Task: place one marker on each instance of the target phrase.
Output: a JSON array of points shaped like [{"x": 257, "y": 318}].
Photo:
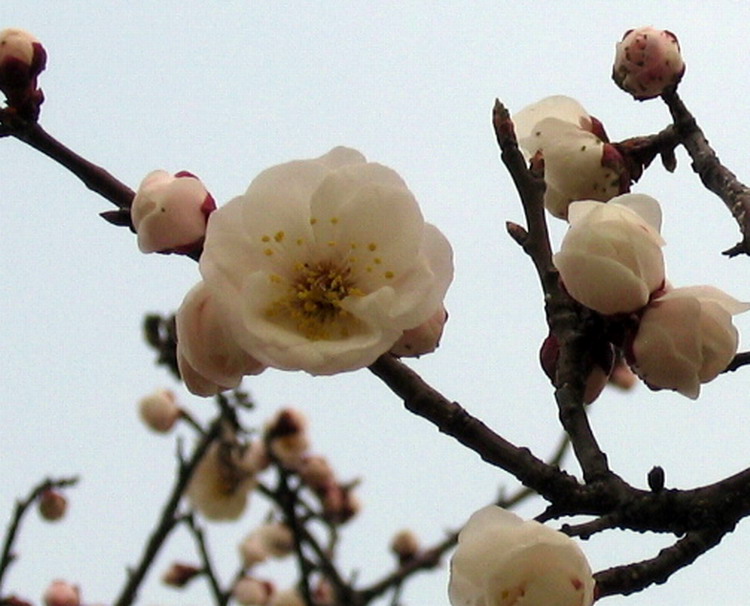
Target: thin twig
[{"x": 22, "y": 506}]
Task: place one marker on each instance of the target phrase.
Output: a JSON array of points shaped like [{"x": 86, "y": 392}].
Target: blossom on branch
[
  {"x": 647, "y": 62},
  {"x": 503, "y": 560},
  {"x": 209, "y": 359},
  {"x": 220, "y": 486},
  {"x": 160, "y": 410},
  {"x": 169, "y": 213},
  {"x": 62, "y": 593},
  {"x": 685, "y": 338},
  {"x": 579, "y": 162},
  {"x": 610, "y": 259},
  {"x": 323, "y": 264}
]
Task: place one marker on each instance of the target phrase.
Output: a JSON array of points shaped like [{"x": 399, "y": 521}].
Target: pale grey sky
[{"x": 226, "y": 89}]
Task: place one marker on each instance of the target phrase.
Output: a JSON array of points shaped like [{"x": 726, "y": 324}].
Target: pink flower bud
[
  {"x": 340, "y": 504},
  {"x": 686, "y": 338},
  {"x": 405, "y": 544},
  {"x": 423, "y": 339},
  {"x": 610, "y": 259},
  {"x": 52, "y": 505},
  {"x": 170, "y": 213},
  {"x": 287, "y": 437},
  {"x": 274, "y": 540},
  {"x": 317, "y": 473},
  {"x": 22, "y": 59},
  {"x": 249, "y": 591},
  {"x": 160, "y": 410},
  {"x": 208, "y": 357},
  {"x": 647, "y": 62},
  {"x": 179, "y": 574},
  {"x": 62, "y": 593}
]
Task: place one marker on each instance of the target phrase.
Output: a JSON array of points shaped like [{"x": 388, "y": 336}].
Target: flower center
[{"x": 314, "y": 300}]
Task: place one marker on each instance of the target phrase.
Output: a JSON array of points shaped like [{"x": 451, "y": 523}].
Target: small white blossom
[
  {"x": 647, "y": 62},
  {"x": 160, "y": 411},
  {"x": 610, "y": 259},
  {"x": 503, "y": 560},
  {"x": 579, "y": 163},
  {"x": 322, "y": 264},
  {"x": 219, "y": 488},
  {"x": 686, "y": 338},
  {"x": 209, "y": 359},
  {"x": 273, "y": 540},
  {"x": 169, "y": 213}
]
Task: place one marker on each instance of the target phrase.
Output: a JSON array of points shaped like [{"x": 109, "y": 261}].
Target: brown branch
[
  {"x": 741, "y": 359},
  {"x": 624, "y": 580},
  {"x": 714, "y": 175},
  {"x": 22, "y": 507},
  {"x": 168, "y": 519},
  {"x": 220, "y": 597}
]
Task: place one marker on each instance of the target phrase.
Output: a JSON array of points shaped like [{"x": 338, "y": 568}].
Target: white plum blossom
[
  {"x": 647, "y": 62},
  {"x": 579, "y": 162},
  {"x": 503, "y": 560},
  {"x": 220, "y": 487},
  {"x": 610, "y": 259},
  {"x": 208, "y": 357},
  {"x": 685, "y": 338},
  {"x": 169, "y": 213},
  {"x": 323, "y": 264}
]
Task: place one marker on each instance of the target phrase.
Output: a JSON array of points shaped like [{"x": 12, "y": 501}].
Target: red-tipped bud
[
  {"x": 62, "y": 593},
  {"x": 179, "y": 574},
  {"x": 22, "y": 59},
  {"x": 647, "y": 62}
]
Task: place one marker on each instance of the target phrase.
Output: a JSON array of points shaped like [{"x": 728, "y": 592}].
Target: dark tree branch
[
  {"x": 22, "y": 507},
  {"x": 739, "y": 360},
  {"x": 714, "y": 175},
  {"x": 220, "y": 597},
  {"x": 168, "y": 519}
]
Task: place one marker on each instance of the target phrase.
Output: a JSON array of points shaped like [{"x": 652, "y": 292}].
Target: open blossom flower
[
  {"x": 610, "y": 259},
  {"x": 323, "y": 264},
  {"x": 208, "y": 357},
  {"x": 503, "y": 560},
  {"x": 170, "y": 212},
  {"x": 220, "y": 487},
  {"x": 579, "y": 162},
  {"x": 647, "y": 62},
  {"x": 686, "y": 338}
]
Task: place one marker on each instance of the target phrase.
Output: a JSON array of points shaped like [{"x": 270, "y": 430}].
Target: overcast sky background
[{"x": 226, "y": 89}]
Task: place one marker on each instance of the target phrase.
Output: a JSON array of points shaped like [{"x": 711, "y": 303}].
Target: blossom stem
[
  {"x": 22, "y": 507},
  {"x": 168, "y": 519},
  {"x": 714, "y": 175}
]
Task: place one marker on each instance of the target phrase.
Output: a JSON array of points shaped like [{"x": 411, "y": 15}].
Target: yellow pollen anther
[
  {"x": 389, "y": 274},
  {"x": 279, "y": 236},
  {"x": 334, "y": 220},
  {"x": 372, "y": 246},
  {"x": 331, "y": 242},
  {"x": 268, "y": 252},
  {"x": 313, "y": 220},
  {"x": 377, "y": 260},
  {"x": 299, "y": 241},
  {"x": 275, "y": 278},
  {"x": 266, "y": 239}
]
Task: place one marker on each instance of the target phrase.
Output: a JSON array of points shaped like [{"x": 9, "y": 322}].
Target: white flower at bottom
[
  {"x": 502, "y": 560},
  {"x": 322, "y": 264},
  {"x": 610, "y": 259},
  {"x": 686, "y": 338}
]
